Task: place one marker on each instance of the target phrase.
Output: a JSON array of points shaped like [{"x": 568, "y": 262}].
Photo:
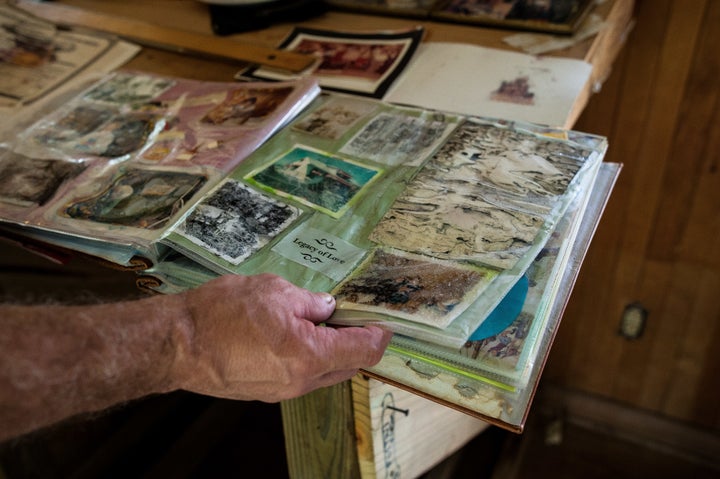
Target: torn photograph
[{"x": 483, "y": 197}]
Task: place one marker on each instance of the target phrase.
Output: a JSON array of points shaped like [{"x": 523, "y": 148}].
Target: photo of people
[
  {"x": 353, "y": 59},
  {"x": 364, "y": 64}
]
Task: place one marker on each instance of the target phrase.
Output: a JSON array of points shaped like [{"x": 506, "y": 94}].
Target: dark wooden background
[{"x": 659, "y": 241}]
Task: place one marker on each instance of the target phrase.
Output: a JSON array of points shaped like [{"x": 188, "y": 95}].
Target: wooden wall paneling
[
  {"x": 691, "y": 347},
  {"x": 697, "y": 111},
  {"x": 597, "y": 118},
  {"x": 701, "y": 245},
  {"x": 659, "y": 106},
  {"x": 678, "y": 172},
  {"x": 699, "y": 239},
  {"x": 698, "y": 348},
  {"x": 596, "y": 359},
  {"x": 651, "y": 366},
  {"x": 673, "y": 319},
  {"x": 705, "y": 407},
  {"x": 692, "y": 228}
]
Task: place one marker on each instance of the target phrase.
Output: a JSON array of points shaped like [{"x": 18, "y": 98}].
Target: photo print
[
  {"x": 397, "y": 139},
  {"x": 334, "y": 118},
  {"x": 129, "y": 88},
  {"x": 483, "y": 197},
  {"x": 359, "y": 63},
  {"x": 138, "y": 198},
  {"x": 511, "y": 161},
  {"x": 235, "y": 221},
  {"x": 246, "y": 104},
  {"x": 95, "y": 130},
  {"x": 323, "y": 182},
  {"x": 413, "y": 287},
  {"x": 32, "y": 182},
  {"x": 502, "y": 349}
]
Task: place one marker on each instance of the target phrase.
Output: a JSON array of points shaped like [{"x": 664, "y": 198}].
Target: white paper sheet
[{"x": 464, "y": 79}]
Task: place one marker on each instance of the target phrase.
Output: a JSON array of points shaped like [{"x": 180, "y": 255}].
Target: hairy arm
[{"x": 241, "y": 337}]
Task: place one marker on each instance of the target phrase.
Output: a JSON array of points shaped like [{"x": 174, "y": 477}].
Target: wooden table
[{"x": 360, "y": 428}]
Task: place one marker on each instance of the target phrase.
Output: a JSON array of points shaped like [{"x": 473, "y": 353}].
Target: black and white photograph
[{"x": 236, "y": 221}]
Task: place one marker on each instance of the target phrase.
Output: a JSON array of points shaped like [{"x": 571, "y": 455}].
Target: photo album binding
[{"x": 417, "y": 220}]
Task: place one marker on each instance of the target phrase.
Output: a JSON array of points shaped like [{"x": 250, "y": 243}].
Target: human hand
[{"x": 257, "y": 337}]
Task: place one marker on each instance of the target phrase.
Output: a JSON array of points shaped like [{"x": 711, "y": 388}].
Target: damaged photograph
[
  {"x": 32, "y": 182},
  {"x": 246, "y": 104},
  {"x": 235, "y": 221},
  {"x": 129, "y": 88},
  {"x": 484, "y": 197},
  {"x": 397, "y": 139},
  {"x": 324, "y": 182},
  {"x": 89, "y": 130},
  {"x": 413, "y": 287},
  {"x": 334, "y": 118},
  {"x": 138, "y": 198}
]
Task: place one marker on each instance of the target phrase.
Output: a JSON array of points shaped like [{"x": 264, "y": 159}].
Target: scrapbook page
[
  {"x": 316, "y": 188},
  {"x": 413, "y": 219},
  {"x": 127, "y": 156}
]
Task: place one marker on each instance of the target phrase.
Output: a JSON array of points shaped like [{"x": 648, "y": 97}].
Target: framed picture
[
  {"x": 358, "y": 63},
  {"x": 403, "y": 8},
  {"x": 550, "y": 16},
  {"x": 554, "y": 16}
]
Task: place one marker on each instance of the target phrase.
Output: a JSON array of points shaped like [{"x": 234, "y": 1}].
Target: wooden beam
[{"x": 320, "y": 434}]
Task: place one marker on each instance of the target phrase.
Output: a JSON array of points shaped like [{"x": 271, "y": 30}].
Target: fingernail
[{"x": 328, "y": 298}]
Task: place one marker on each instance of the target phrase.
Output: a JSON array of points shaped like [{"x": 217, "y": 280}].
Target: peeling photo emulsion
[{"x": 236, "y": 221}]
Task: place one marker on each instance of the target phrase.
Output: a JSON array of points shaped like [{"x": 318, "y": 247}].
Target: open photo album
[{"x": 452, "y": 231}]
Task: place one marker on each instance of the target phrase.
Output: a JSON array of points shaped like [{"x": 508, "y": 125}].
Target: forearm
[
  {"x": 58, "y": 361},
  {"x": 239, "y": 337}
]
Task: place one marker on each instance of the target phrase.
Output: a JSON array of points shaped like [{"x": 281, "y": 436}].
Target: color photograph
[{"x": 324, "y": 182}]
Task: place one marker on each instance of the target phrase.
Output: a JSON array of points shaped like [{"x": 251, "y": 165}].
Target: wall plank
[{"x": 659, "y": 240}]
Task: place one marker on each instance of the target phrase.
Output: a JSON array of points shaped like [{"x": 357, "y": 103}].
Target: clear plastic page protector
[{"x": 494, "y": 377}]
